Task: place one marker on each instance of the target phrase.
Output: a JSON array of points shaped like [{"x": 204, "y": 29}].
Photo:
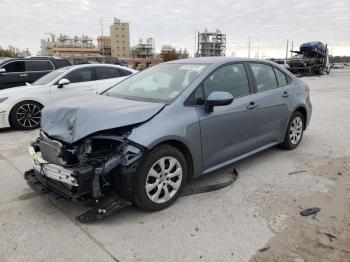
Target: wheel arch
[
  {"x": 302, "y": 110},
  {"x": 183, "y": 148}
]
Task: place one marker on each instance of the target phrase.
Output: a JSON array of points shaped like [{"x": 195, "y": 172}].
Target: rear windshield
[{"x": 61, "y": 63}]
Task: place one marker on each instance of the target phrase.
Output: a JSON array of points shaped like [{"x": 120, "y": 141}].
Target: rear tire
[
  {"x": 160, "y": 178},
  {"x": 294, "y": 132},
  {"x": 26, "y": 115}
]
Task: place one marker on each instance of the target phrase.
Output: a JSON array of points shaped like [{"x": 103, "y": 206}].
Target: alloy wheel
[
  {"x": 296, "y": 130},
  {"x": 163, "y": 180},
  {"x": 28, "y": 115}
]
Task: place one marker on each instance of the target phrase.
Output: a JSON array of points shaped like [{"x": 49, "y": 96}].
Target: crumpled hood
[{"x": 72, "y": 119}]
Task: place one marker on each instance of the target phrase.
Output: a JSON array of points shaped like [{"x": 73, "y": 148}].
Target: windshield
[
  {"x": 298, "y": 56},
  {"x": 161, "y": 83},
  {"x": 46, "y": 79}
]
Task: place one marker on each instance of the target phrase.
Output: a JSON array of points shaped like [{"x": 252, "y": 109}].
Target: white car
[
  {"x": 20, "y": 107},
  {"x": 284, "y": 63},
  {"x": 338, "y": 66}
]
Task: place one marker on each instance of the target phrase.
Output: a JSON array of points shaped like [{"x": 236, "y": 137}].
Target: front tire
[
  {"x": 160, "y": 178},
  {"x": 26, "y": 115},
  {"x": 294, "y": 132}
]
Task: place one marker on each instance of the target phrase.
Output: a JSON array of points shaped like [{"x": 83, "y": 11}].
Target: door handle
[
  {"x": 285, "y": 94},
  {"x": 252, "y": 105},
  {"x": 23, "y": 75}
]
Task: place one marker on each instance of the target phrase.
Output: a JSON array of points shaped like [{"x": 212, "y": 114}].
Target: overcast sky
[{"x": 269, "y": 23}]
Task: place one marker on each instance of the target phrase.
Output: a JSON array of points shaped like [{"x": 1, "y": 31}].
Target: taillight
[{"x": 307, "y": 88}]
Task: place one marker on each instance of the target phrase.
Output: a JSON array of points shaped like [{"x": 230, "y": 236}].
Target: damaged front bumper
[
  {"x": 90, "y": 179},
  {"x": 71, "y": 183}
]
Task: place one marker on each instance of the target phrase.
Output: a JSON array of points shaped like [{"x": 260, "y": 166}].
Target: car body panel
[
  {"x": 235, "y": 139},
  {"x": 161, "y": 129},
  {"x": 72, "y": 89},
  {"x": 273, "y": 114}
]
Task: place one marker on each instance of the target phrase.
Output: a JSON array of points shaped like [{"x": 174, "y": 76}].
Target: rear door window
[
  {"x": 32, "y": 66},
  {"x": 15, "y": 66},
  {"x": 104, "y": 72},
  {"x": 281, "y": 77},
  {"x": 80, "y": 75},
  {"x": 264, "y": 76}
]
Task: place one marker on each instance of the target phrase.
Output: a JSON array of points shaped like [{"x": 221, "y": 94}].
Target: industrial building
[
  {"x": 170, "y": 53},
  {"x": 112, "y": 47},
  {"x": 65, "y": 46},
  {"x": 144, "y": 49},
  {"x": 211, "y": 43},
  {"x": 120, "y": 39}
]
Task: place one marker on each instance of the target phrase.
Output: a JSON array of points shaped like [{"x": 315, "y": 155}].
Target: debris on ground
[
  {"x": 310, "y": 211},
  {"x": 297, "y": 172},
  {"x": 266, "y": 247},
  {"x": 330, "y": 236}
]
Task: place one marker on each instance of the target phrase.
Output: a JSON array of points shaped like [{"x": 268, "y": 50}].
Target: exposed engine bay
[{"x": 95, "y": 166}]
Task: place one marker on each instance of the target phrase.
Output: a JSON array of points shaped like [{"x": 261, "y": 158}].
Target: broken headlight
[{"x": 102, "y": 148}]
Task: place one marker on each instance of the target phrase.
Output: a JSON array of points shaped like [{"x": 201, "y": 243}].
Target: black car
[{"x": 19, "y": 71}]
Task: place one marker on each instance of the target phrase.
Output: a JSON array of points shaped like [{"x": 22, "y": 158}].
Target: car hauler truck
[{"x": 311, "y": 59}]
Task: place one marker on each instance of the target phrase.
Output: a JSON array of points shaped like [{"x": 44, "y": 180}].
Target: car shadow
[
  {"x": 8, "y": 130},
  {"x": 72, "y": 209}
]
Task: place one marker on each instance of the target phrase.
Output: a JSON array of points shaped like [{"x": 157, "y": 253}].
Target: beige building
[{"x": 120, "y": 39}]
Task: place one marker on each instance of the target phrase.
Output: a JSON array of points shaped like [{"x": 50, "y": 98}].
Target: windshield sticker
[{"x": 192, "y": 67}]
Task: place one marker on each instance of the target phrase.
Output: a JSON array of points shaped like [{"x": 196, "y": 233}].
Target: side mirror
[
  {"x": 63, "y": 82},
  {"x": 2, "y": 70},
  {"x": 217, "y": 98}
]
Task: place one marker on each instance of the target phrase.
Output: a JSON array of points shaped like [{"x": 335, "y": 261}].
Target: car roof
[
  {"x": 98, "y": 65},
  {"x": 30, "y": 58},
  {"x": 215, "y": 60}
]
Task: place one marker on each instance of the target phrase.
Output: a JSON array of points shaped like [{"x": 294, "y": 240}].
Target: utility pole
[
  {"x": 292, "y": 48},
  {"x": 102, "y": 42},
  {"x": 195, "y": 44},
  {"x": 249, "y": 48},
  {"x": 257, "y": 52},
  {"x": 287, "y": 49}
]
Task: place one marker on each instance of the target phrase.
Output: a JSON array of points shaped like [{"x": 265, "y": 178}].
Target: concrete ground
[{"x": 261, "y": 209}]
